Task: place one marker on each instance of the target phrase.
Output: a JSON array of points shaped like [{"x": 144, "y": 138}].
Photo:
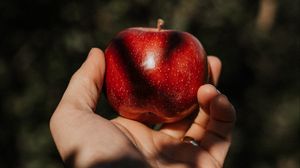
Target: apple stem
[{"x": 160, "y": 24}]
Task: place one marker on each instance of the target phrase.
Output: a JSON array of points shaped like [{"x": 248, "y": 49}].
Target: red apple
[{"x": 152, "y": 75}]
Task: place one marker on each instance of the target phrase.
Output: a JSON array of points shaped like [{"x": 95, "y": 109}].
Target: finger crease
[
  {"x": 200, "y": 125},
  {"x": 223, "y": 121},
  {"x": 214, "y": 133}
]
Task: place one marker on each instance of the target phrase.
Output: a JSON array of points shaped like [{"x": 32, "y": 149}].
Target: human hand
[{"x": 85, "y": 139}]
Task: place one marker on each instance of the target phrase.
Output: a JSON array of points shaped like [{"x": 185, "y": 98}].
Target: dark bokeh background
[{"x": 44, "y": 42}]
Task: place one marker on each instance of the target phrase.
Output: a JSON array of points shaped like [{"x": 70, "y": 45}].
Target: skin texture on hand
[{"x": 85, "y": 139}]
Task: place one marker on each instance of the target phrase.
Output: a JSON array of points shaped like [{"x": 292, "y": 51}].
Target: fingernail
[{"x": 218, "y": 91}]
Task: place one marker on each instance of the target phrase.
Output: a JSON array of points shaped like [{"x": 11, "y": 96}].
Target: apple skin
[{"x": 153, "y": 75}]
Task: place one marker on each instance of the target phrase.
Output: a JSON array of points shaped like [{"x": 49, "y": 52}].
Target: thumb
[{"x": 85, "y": 85}]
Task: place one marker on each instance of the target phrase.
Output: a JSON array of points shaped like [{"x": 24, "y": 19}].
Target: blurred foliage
[{"x": 44, "y": 42}]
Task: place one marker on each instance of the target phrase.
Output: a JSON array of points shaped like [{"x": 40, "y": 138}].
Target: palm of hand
[{"x": 161, "y": 149}]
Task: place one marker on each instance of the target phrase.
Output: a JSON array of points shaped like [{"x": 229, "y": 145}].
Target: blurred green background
[{"x": 44, "y": 42}]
